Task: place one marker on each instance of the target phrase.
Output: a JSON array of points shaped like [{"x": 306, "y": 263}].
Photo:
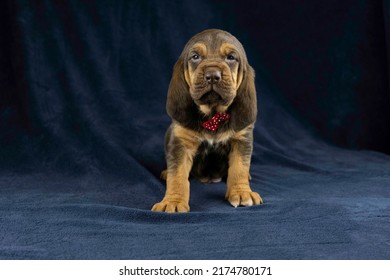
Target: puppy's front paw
[
  {"x": 243, "y": 198},
  {"x": 171, "y": 206}
]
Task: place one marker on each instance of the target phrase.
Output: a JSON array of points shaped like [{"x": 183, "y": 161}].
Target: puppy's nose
[{"x": 212, "y": 76}]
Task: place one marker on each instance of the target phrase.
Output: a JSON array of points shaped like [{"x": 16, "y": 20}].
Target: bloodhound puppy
[{"x": 212, "y": 103}]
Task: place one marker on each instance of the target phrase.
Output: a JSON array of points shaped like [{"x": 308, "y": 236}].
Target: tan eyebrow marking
[
  {"x": 227, "y": 48},
  {"x": 199, "y": 48}
]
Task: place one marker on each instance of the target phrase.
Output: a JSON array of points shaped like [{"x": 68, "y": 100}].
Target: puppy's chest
[
  {"x": 216, "y": 139},
  {"x": 214, "y": 146}
]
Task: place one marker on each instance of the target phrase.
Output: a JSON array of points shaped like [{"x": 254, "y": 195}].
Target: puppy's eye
[
  {"x": 195, "y": 57},
  {"x": 230, "y": 57}
]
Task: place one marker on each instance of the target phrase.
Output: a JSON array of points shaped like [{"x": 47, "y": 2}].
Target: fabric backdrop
[{"x": 82, "y": 120}]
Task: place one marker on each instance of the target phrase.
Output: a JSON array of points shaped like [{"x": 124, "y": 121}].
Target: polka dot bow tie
[{"x": 214, "y": 123}]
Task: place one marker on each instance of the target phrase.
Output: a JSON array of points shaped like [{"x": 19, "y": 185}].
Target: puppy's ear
[
  {"x": 180, "y": 106},
  {"x": 244, "y": 107}
]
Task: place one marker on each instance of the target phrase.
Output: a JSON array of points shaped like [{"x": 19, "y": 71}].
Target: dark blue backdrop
[{"x": 82, "y": 121}]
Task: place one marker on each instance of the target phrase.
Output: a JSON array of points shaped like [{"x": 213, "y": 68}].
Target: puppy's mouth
[{"x": 210, "y": 98}]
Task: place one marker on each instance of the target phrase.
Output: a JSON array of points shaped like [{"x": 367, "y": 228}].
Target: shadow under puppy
[{"x": 212, "y": 103}]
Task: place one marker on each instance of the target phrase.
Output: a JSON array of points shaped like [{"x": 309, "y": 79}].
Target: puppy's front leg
[
  {"x": 181, "y": 147},
  {"x": 238, "y": 190}
]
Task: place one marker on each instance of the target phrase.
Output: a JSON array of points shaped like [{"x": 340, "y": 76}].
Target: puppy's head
[
  {"x": 212, "y": 74},
  {"x": 212, "y": 61}
]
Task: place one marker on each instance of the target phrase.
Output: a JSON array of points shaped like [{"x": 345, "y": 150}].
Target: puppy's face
[
  {"x": 212, "y": 75},
  {"x": 213, "y": 69}
]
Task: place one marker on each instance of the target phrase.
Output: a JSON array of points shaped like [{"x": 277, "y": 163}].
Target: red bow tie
[{"x": 214, "y": 123}]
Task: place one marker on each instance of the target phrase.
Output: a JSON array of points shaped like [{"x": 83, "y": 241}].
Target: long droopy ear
[
  {"x": 180, "y": 106},
  {"x": 244, "y": 107}
]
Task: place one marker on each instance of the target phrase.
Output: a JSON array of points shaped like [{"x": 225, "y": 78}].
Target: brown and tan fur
[{"x": 211, "y": 75}]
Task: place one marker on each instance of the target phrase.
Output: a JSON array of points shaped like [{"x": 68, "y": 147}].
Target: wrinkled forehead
[{"x": 214, "y": 41}]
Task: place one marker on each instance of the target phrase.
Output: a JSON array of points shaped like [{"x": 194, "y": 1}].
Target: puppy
[{"x": 212, "y": 103}]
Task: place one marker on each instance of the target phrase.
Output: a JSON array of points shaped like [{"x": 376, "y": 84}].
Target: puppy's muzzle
[
  {"x": 211, "y": 89},
  {"x": 212, "y": 76}
]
